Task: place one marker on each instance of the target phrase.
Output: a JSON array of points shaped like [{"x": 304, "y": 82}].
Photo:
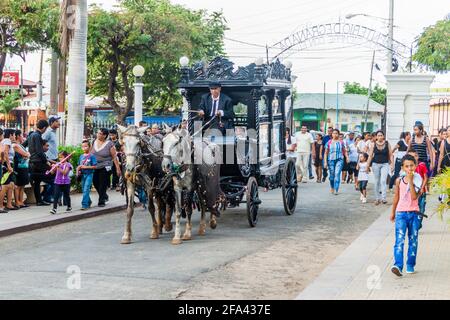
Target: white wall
[{"x": 408, "y": 96}]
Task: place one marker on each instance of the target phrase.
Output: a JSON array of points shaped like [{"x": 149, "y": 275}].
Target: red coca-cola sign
[{"x": 10, "y": 80}]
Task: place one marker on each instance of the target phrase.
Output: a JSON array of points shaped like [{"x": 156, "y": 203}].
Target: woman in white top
[{"x": 290, "y": 144}]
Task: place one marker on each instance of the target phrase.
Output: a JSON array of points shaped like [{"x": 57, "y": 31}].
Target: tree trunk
[
  {"x": 62, "y": 69},
  {"x": 53, "y": 109},
  {"x": 129, "y": 93},
  {"x": 77, "y": 74}
]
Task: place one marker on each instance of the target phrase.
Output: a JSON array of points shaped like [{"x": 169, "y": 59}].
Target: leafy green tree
[
  {"x": 8, "y": 103},
  {"x": 433, "y": 49},
  {"x": 378, "y": 93},
  {"x": 154, "y": 34},
  {"x": 25, "y": 26}
]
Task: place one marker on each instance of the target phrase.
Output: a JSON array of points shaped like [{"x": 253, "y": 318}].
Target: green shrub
[
  {"x": 74, "y": 162},
  {"x": 441, "y": 185}
]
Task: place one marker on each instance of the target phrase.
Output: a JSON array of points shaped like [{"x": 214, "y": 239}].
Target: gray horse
[
  {"x": 143, "y": 169},
  {"x": 189, "y": 178}
]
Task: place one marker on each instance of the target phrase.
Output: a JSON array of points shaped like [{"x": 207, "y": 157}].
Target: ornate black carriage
[{"x": 261, "y": 96}]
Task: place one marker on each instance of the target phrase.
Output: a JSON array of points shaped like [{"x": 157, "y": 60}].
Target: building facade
[{"x": 346, "y": 112}]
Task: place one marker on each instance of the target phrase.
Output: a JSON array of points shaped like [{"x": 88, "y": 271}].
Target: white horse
[{"x": 188, "y": 178}]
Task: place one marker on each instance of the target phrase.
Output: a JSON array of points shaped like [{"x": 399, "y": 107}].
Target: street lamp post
[
  {"x": 138, "y": 72},
  {"x": 390, "y": 36},
  {"x": 390, "y": 21}
]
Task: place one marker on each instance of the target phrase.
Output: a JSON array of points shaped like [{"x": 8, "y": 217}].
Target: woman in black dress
[
  {"x": 317, "y": 156},
  {"x": 21, "y": 167}
]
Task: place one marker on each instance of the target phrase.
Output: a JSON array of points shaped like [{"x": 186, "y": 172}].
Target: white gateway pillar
[{"x": 408, "y": 101}]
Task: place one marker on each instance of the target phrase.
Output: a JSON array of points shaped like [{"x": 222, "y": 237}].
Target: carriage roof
[{"x": 266, "y": 76}]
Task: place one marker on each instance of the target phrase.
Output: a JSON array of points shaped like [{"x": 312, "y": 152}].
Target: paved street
[{"x": 275, "y": 260}]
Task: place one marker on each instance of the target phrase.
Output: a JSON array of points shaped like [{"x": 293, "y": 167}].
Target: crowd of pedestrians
[
  {"x": 350, "y": 158},
  {"x": 35, "y": 162},
  {"x": 404, "y": 169}
]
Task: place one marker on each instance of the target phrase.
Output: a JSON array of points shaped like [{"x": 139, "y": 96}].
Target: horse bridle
[
  {"x": 183, "y": 166},
  {"x": 156, "y": 153}
]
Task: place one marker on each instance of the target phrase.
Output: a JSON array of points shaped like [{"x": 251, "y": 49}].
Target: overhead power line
[{"x": 246, "y": 43}]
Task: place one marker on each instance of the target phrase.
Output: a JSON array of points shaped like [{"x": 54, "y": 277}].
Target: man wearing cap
[
  {"x": 52, "y": 154},
  {"x": 217, "y": 104}
]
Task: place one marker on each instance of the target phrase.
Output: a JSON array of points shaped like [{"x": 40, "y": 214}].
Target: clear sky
[{"x": 262, "y": 22}]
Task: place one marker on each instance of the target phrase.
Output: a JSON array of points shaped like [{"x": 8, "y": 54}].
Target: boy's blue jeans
[
  {"x": 86, "y": 185},
  {"x": 406, "y": 222},
  {"x": 335, "y": 167}
]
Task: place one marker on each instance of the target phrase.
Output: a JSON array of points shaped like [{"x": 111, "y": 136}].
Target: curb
[{"x": 50, "y": 221}]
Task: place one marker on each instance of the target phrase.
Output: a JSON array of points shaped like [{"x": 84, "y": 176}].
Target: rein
[{"x": 205, "y": 125}]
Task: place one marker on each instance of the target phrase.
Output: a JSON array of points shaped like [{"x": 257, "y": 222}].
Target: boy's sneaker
[
  {"x": 364, "y": 200},
  {"x": 84, "y": 208},
  {"x": 361, "y": 197},
  {"x": 53, "y": 211},
  {"x": 410, "y": 270},
  {"x": 396, "y": 270},
  {"x": 69, "y": 209}
]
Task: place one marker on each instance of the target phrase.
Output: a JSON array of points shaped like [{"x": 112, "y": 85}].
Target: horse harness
[{"x": 140, "y": 156}]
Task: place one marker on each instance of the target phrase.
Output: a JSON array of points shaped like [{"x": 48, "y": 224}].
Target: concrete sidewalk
[
  {"x": 362, "y": 271},
  {"x": 34, "y": 217}
]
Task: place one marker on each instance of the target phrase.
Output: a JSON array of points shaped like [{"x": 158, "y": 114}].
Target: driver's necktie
[{"x": 214, "y": 109}]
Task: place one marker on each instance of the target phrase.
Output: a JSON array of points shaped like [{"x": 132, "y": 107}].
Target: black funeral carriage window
[
  {"x": 287, "y": 108},
  {"x": 276, "y": 138},
  {"x": 240, "y": 119},
  {"x": 263, "y": 106},
  {"x": 264, "y": 141},
  {"x": 276, "y": 108}
]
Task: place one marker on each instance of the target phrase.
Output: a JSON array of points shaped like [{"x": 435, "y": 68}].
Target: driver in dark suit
[{"x": 217, "y": 104}]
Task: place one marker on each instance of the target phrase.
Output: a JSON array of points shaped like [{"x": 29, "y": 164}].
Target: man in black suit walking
[{"x": 217, "y": 104}]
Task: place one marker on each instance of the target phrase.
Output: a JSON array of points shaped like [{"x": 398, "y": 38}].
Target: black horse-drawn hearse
[{"x": 261, "y": 98}]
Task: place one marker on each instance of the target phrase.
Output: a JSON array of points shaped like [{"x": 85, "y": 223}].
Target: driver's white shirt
[{"x": 212, "y": 105}]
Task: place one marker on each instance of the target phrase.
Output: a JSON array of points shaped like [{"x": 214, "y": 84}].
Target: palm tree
[
  {"x": 8, "y": 103},
  {"x": 74, "y": 42}
]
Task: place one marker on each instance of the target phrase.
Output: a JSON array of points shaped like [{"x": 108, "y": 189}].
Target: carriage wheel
[
  {"x": 289, "y": 186},
  {"x": 253, "y": 201}
]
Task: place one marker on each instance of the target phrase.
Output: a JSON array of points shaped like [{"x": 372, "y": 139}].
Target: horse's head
[
  {"x": 130, "y": 139},
  {"x": 176, "y": 147}
]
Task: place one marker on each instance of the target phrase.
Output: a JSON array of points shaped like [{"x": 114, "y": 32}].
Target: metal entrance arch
[{"x": 338, "y": 32}]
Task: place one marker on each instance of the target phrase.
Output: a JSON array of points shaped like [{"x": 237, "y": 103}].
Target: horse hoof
[
  {"x": 154, "y": 236},
  {"x": 213, "y": 224},
  {"x": 186, "y": 238},
  {"x": 201, "y": 232},
  {"x": 125, "y": 241},
  {"x": 168, "y": 227},
  {"x": 176, "y": 241}
]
